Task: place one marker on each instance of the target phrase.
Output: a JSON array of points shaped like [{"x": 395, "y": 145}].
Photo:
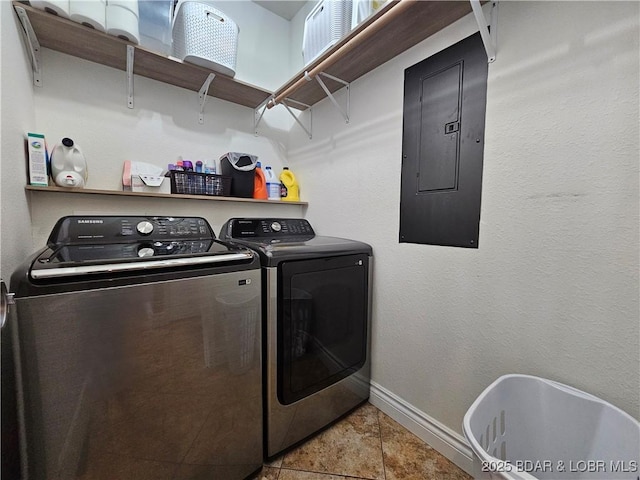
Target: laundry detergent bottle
[
  {"x": 68, "y": 165},
  {"x": 259, "y": 184},
  {"x": 290, "y": 191},
  {"x": 273, "y": 184}
]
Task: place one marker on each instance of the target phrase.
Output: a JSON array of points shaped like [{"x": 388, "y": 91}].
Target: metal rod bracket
[
  {"x": 345, "y": 114},
  {"x": 258, "y": 113},
  {"x": 487, "y": 28},
  {"x": 32, "y": 44},
  {"x": 130, "y": 58},
  {"x": 307, "y": 130},
  {"x": 202, "y": 95}
]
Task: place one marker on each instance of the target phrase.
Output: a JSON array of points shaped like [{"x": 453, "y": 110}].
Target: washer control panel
[
  {"x": 75, "y": 230},
  {"x": 239, "y": 228}
]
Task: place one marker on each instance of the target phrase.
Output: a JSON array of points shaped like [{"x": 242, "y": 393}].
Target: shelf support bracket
[
  {"x": 202, "y": 95},
  {"x": 130, "y": 55},
  {"x": 32, "y": 44},
  {"x": 258, "y": 114},
  {"x": 307, "y": 130},
  {"x": 487, "y": 28},
  {"x": 345, "y": 114}
]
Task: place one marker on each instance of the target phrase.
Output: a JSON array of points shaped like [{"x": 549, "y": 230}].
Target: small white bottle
[{"x": 273, "y": 184}]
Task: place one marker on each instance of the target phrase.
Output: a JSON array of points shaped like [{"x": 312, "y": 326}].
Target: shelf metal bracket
[
  {"x": 202, "y": 95},
  {"x": 487, "y": 28},
  {"x": 345, "y": 114},
  {"x": 33, "y": 45},
  {"x": 258, "y": 113},
  {"x": 130, "y": 55},
  {"x": 307, "y": 130}
]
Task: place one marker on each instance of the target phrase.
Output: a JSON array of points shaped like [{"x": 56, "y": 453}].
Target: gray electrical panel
[{"x": 443, "y": 143}]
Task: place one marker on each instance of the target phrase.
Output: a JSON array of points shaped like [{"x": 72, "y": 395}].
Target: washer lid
[
  {"x": 107, "y": 245},
  {"x": 111, "y": 259}
]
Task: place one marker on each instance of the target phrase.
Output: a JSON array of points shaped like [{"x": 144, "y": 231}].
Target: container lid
[{"x": 241, "y": 161}]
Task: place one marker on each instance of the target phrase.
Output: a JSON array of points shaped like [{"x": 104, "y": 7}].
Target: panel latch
[{"x": 451, "y": 127}]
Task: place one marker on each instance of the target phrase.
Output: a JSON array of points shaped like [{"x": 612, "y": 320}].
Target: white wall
[
  {"x": 16, "y": 118},
  {"x": 553, "y": 288},
  {"x": 263, "y": 43},
  {"x": 86, "y": 102}
]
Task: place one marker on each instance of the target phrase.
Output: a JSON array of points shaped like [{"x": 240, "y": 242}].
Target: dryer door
[{"x": 322, "y": 323}]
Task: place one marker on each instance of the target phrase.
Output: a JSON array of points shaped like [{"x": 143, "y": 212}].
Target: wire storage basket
[{"x": 195, "y": 183}]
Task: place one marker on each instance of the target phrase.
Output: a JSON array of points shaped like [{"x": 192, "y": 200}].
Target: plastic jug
[
  {"x": 259, "y": 184},
  {"x": 68, "y": 165},
  {"x": 273, "y": 185},
  {"x": 290, "y": 191}
]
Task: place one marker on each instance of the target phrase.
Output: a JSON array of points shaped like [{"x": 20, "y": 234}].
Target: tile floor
[{"x": 366, "y": 445}]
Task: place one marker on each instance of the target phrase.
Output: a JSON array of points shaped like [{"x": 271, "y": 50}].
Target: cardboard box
[{"x": 37, "y": 149}]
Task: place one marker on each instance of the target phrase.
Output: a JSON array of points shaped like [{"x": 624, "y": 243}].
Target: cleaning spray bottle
[{"x": 290, "y": 189}]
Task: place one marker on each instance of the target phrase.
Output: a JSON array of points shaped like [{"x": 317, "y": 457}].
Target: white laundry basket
[
  {"x": 326, "y": 24},
  {"x": 205, "y": 36},
  {"x": 525, "y": 427}
]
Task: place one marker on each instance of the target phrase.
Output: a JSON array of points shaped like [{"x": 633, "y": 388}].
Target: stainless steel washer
[
  {"x": 316, "y": 325},
  {"x": 138, "y": 352}
]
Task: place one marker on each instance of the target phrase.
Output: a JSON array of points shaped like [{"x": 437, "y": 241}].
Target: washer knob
[
  {"x": 144, "y": 227},
  {"x": 276, "y": 227},
  {"x": 146, "y": 252}
]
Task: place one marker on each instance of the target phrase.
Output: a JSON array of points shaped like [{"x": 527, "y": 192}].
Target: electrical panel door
[{"x": 443, "y": 142}]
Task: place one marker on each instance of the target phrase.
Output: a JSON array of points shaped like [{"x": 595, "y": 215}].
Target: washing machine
[
  {"x": 137, "y": 346},
  {"x": 316, "y": 325}
]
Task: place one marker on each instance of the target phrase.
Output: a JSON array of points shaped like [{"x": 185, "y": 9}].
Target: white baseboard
[{"x": 447, "y": 442}]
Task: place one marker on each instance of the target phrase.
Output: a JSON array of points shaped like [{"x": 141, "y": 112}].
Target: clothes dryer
[{"x": 316, "y": 325}]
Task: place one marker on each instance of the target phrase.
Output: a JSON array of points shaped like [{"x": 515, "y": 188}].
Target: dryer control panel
[{"x": 247, "y": 228}]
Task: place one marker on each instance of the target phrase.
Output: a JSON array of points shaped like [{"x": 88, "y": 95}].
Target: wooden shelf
[
  {"x": 88, "y": 191},
  {"x": 75, "y": 39},
  {"x": 380, "y": 38},
  {"x": 397, "y": 26}
]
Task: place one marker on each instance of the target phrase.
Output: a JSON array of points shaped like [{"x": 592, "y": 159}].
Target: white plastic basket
[
  {"x": 523, "y": 427},
  {"x": 326, "y": 24},
  {"x": 205, "y": 36}
]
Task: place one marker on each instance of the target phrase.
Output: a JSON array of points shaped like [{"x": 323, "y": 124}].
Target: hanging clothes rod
[{"x": 396, "y": 9}]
